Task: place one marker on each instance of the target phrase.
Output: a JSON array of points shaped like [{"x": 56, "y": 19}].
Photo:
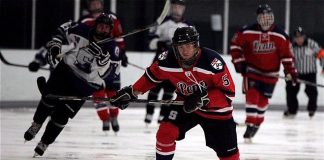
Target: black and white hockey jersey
[{"x": 85, "y": 65}]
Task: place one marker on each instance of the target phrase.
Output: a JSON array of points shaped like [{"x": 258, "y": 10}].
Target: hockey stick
[
  {"x": 158, "y": 21},
  {"x": 41, "y": 84},
  {"x": 136, "y": 66},
  {"x": 303, "y": 81},
  {"x": 17, "y": 65},
  {"x": 77, "y": 98}
]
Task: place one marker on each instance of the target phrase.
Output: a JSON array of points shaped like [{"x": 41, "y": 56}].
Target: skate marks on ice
[{"x": 281, "y": 139}]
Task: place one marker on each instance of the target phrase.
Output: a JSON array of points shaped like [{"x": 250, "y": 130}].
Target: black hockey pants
[{"x": 311, "y": 92}]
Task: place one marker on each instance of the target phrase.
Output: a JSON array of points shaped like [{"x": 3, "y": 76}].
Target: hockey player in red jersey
[
  {"x": 257, "y": 51},
  {"x": 204, "y": 83}
]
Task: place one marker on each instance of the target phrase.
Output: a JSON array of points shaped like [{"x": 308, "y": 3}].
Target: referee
[{"x": 306, "y": 51}]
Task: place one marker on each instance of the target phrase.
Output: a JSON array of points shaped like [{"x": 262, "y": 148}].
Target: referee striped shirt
[{"x": 305, "y": 56}]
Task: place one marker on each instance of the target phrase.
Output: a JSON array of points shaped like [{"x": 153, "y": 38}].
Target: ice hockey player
[
  {"x": 257, "y": 51},
  {"x": 107, "y": 114},
  {"x": 161, "y": 37},
  {"x": 204, "y": 83},
  {"x": 79, "y": 73}
]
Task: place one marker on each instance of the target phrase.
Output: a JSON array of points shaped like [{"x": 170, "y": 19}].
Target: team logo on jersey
[
  {"x": 163, "y": 56},
  {"x": 263, "y": 48},
  {"x": 186, "y": 89},
  {"x": 217, "y": 64}
]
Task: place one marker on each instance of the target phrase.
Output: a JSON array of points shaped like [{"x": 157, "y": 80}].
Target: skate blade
[
  {"x": 248, "y": 140},
  {"x": 36, "y": 155},
  {"x": 116, "y": 133}
]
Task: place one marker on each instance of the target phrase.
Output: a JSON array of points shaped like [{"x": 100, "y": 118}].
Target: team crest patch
[
  {"x": 163, "y": 55},
  {"x": 217, "y": 64}
]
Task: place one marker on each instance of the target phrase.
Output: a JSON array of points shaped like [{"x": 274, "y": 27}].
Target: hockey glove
[
  {"x": 196, "y": 100},
  {"x": 54, "y": 49},
  {"x": 33, "y": 66},
  {"x": 95, "y": 49},
  {"x": 123, "y": 97},
  {"x": 240, "y": 67},
  {"x": 123, "y": 58},
  {"x": 292, "y": 76}
]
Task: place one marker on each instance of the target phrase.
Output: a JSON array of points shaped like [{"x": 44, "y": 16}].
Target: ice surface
[{"x": 301, "y": 138}]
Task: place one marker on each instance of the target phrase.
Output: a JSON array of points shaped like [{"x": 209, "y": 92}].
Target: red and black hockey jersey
[
  {"x": 262, "y": 52},
  {"x": 209, "y": 70}
]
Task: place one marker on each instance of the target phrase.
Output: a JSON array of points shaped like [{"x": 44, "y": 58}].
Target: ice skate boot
[
  {"x": 311, "y": 114},
  {"x": 250, "y": 132},
  {"x": 105, "y": 125},
  {"x": 148, "y": 118},
  {"x": 40, "y": 149},
  {"x": 114, "y": 124},
  {"x": 32, "y": 131},
  {"x": 289, "y": 115}
]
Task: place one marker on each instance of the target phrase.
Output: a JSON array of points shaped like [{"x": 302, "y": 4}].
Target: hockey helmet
[
  {"x": 185, "y": 35},
  {"x": 298, "y": 32},
  {"x": 103, "y": 19},
  {"x": 265, "y": 17},
  {"x": 181, "y": 2}
]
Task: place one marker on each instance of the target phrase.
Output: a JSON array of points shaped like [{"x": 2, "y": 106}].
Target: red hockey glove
[
  {"x": 292, "y": 76},
  {"x": 196, "y": 100},
  {"x": 123, "y": 97}
]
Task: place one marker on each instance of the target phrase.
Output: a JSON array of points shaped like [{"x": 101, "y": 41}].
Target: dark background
[{"x": 15, "y": 23}]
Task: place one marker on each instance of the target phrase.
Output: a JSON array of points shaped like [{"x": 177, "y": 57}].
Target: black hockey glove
[
  {"x": 240, "y": 67},
  {"x": 123, "y": 97},
  {"x": 54, "y": 49},
  {"x": 123, "y": 58},
  {"x": 33, "y": 66},
  {"x": 196, "y": 100}
]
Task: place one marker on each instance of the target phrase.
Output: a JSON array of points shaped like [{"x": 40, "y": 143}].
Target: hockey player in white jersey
[
  {"x": 161, "y": 37},
  {"x": 88, "y": 67}
]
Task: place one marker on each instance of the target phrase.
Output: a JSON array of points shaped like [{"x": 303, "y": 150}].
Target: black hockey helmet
[
  {"x": 185, "y": 35},
  {"x": 263, "y": 8},
  {"x": 299, "y": 31},
  {"x": 181, "y": 2},
  {"x": 105, "y": 19}
]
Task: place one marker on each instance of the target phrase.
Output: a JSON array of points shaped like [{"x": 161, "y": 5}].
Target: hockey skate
[
  {"x": 32, "y": 131},
  {"x": 311, "y": 114},
  {"x": 40, "y": 149},
  {"x": 250, "y": 132},
  {"x": 289, "y": 115},
  {"x": 114, "y": 124},
  {"x": 148, "y": 118},
  {"x": 105, "y": 125}
]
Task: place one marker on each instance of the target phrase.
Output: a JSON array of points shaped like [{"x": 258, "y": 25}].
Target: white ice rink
[{"x": 278, "y": 139}]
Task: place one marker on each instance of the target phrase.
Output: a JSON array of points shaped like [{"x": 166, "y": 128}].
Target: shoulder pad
[{"x": 212, "y": 61}]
